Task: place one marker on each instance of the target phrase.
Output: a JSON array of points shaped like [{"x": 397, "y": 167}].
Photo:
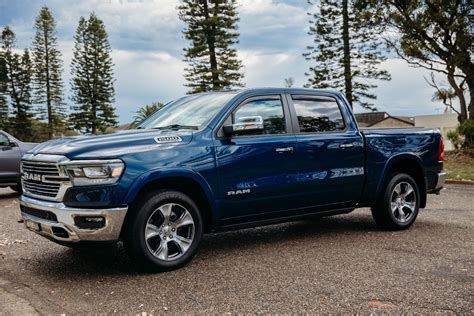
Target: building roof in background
[
  {"x": 371, "y": 118},
  {"x": 401, "y": 122}
]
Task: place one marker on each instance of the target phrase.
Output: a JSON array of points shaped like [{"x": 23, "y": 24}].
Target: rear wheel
[
  {"x": 398, "y": 208},
  {"x": 164, "y": 231}
]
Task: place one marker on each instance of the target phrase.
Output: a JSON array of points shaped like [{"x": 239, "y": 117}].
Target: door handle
[
  {"x": 344, "y": 146},
  {"x": 284, "y": 150}
]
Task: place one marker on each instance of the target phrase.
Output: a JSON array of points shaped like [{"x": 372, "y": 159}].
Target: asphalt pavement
[{"x": 340, "y": 264}]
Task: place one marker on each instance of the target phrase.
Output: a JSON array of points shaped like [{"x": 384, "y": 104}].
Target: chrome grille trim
[{"x": 49, "y": 180}]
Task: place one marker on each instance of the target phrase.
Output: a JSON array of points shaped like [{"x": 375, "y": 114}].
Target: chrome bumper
[
  {"x": 441, "y": 180},
  {"x": 51, "y": 228}
]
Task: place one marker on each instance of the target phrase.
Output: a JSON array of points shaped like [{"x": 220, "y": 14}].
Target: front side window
[
  {"x": 271, "y": 112},
  {"x": 318, "y": 115}
]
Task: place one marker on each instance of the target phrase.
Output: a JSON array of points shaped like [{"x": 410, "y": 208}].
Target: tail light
[{"x": 441, "y": 150}]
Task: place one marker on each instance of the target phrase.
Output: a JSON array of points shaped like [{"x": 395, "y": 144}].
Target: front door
[{"x": 254, "y": 169}]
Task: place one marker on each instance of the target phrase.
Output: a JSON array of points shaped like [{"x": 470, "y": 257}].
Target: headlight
[{"x": 94, "y": 172}]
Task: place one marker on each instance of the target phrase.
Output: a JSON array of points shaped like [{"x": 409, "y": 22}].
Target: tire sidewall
[
  {"x": 140, "y": 220},
  {"x": 396, "y": 179}
]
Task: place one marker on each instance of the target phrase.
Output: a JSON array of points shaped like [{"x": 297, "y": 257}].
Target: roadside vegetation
[{"x": 460, "y": 165}]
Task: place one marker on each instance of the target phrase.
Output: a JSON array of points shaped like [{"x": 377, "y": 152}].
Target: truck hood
[{"x": 113, "y": 145}]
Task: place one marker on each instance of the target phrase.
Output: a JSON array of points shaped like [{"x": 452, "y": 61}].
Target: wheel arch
[
  {"x": 409, "y": 164},
  {"x": 186, "y": 181}
]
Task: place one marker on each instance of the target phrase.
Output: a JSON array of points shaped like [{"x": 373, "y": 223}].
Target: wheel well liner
[{"x": 413, "y": 168}]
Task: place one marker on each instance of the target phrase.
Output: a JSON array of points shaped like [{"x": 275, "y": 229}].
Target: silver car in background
[{"x": 11, "y": 150}]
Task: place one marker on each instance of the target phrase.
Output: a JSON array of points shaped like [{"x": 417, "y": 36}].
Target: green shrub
[
  {"x": 455, "y": 139},
  {"x": 467, "y": 130}
]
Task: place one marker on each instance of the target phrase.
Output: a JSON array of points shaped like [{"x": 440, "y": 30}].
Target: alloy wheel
[
  {"x": 169, "y": 232},
  {"x": 403, "y": 202}
]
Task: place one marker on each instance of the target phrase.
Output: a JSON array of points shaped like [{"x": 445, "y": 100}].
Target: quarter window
[
  {"x": 271, "y": 112},
  {"x": 318, "y": 115}
]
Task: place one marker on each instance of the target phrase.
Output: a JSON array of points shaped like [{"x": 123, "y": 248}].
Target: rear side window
[
  {"x": 318, "y": 115},
  {"x": 271, "y": 112}
]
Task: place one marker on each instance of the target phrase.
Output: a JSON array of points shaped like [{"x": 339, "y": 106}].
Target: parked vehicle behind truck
[
  {"x": 226, "y": 160},
  {"x": 11, "y": 150}
]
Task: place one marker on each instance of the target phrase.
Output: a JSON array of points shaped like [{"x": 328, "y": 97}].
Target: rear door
[
  {"x": 329, "y": 152},
  {"x": 254, "y": 169}
]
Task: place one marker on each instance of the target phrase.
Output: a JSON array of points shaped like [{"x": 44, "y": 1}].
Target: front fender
[{"x": 163, "y": 173}]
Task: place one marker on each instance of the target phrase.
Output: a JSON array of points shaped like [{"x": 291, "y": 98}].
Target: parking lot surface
[{"x": 335, "y": 264}]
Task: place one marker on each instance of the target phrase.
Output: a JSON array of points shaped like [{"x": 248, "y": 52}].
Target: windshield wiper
[{"x": 177, "y": 127}]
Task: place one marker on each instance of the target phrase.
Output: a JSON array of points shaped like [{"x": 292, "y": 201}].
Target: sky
[{"x": 147, "y": 50}]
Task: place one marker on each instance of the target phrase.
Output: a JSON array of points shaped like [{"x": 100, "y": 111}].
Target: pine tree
[
  {"x": 92, "y": 78},
  {"x": 18, "y": 72},
  {"x": 3, "y": 94},
  {"x": 212, "y": 32},
  {"x": 47, "y": 72},
  {"x": 346, "y": 54}
]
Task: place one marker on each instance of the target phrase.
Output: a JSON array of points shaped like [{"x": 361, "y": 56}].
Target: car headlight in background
[{"x": 94, "y": 172}]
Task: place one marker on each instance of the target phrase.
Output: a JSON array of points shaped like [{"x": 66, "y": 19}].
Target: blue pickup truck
[{"x": 226, "y": 160}]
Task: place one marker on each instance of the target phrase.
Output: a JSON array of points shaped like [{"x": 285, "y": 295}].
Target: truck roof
[{"x": 270, "y": 90}]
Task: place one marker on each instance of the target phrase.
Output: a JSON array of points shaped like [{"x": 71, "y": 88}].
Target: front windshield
[{"x": 189, "y": 112}]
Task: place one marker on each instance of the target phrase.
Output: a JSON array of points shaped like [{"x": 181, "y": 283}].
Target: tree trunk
[
  {"x": 211, "y": 42},
  {"x": 470, "y": 85},
  {"x": 459, "y": 93},
  {"x": 347, "y": 52}
]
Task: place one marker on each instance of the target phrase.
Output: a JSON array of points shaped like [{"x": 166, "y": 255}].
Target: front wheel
[
  {"x": 398, "y": 208},
  {"x": 164, "y": 231}
]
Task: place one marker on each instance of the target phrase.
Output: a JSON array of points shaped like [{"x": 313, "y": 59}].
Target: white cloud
[
  {"x": 407, "y": 93},
  {"x": 144, "y": 77}
]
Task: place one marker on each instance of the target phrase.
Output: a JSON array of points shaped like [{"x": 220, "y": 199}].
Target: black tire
[
  {"x": 16, "y": 188},
  {"x": 382, "y": 211},
  {"x": 138, "y": 247}
]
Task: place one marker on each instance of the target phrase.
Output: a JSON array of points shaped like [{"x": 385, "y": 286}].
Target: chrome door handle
[
  {"x": 350, "y": 145},
  {"x": 284, "y": 150}
]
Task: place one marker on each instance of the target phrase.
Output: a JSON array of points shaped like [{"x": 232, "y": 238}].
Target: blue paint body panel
[{"x": 319, "y": 174}]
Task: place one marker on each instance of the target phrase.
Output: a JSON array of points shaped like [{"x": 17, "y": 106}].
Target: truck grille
[{"x": 41, "y": 178}]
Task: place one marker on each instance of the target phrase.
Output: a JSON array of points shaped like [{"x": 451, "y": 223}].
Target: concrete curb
[{"x": 465, "y": 182}]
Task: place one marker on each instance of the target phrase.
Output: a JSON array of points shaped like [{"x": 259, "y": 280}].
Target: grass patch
[{"x": 459, "y": 165}]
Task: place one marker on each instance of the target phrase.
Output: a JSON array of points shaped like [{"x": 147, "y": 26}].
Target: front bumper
[{"x": 56, "y": 221}]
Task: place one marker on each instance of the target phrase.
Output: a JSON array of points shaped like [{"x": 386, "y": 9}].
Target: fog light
[{"x": 89, "y": 222}]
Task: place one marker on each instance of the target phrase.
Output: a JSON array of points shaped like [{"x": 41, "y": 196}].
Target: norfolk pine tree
[
  {"x": 3, "y": 93},
  {"x": 47, "y": 72},
  {"x": 92, "y": 78},
  {"x": 211, "y": 28},
  {"x": 18, "y": 72},
  {"x": 346, "y": 52}
]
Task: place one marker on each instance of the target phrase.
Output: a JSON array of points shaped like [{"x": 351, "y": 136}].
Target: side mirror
[
  {"x": 13, "y": 144},
  {"x": 246, "y": 125}
]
